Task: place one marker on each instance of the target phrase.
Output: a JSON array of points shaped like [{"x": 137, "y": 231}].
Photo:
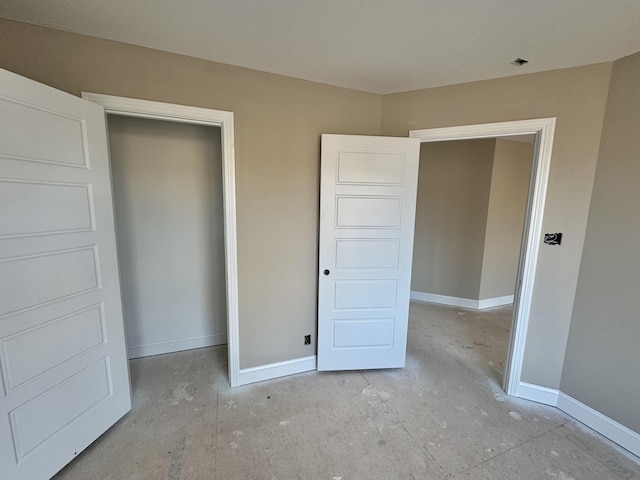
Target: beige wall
[
  {"x": 577, "y": 98},
  {"x": 451, "y": 215},
  {"x": 603, "y": 355},
  {"x": 278, "y": 124},
  {"x": 505, "y": 217},
  {"x": 167, "y": 186}
]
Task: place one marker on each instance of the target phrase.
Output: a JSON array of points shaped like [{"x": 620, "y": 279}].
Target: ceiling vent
[{"x": 518, "y": 62}]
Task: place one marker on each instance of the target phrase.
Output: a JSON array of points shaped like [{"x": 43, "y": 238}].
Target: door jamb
[
  {"x": 202, "y": 116},
  {"x": 544, "y": 129}
]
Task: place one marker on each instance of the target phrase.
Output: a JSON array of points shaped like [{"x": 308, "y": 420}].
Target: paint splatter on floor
[
  {"x": 559, "y": 475},
  {"x": 373, "y": 392},
  {"x": 183, "y": 392},
  {"x": 498, "y": 396}
]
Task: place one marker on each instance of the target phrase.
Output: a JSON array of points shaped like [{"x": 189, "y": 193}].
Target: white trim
[
  {"x": 495, "y": 302},
  {"x": 204, "y": 116},
  {"x": 599, "y": 422},
  {"x": 602, "y": 424},
  {"x": 544, "y": 130},
  {"x": 133, "y": 107},
  {"x": 444, "y": 300},
  {"x": 160, "y": 348},
  {"x": 276, "y": 370},
  {"x": 537, "y": 393},
  {"x": 461, "y": 302}
]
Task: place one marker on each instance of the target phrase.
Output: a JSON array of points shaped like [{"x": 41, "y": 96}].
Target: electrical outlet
[{"x": 307, "y": 339}]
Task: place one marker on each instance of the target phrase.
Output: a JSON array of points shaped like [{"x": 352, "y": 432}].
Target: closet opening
[
  {"x": 167, "y": 182},
  {"x": 220, "y": 125}
]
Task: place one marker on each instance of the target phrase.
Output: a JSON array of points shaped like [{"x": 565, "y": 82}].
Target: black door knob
[{"x": 326, "y": 272}]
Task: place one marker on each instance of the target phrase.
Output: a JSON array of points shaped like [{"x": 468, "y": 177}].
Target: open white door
[
  {"x": 63, "y": 364},
  {"x": 367, "y": 215}
]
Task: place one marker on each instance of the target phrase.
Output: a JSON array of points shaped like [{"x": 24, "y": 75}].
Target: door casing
[
  {"x": 544, "y": 129},
  {"x": 114, "y": 105}
]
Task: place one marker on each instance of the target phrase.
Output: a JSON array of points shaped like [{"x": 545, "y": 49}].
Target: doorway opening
[
  {"x": 167, "y": 190},
  {"x": 217, "y": 127},
  {"x": 542, "y": 130},
  {"x": 470, "y": 213}
]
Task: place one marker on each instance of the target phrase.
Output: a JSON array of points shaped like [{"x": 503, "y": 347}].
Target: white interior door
[
  {"x": 367, "y": 215},
  {"x": 62, "y": 348}
]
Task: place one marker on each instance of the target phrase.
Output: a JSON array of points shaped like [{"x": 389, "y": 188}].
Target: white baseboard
[
  {"x": 275, "y": 370},
  {"x": 169, "y": 346},
  {"x": 462, "y": 302},
  {"x": 495, "y": 302},
  {"x": 536, "y": 393},
  {"x": 614, "y": 431},
  {"x": 444, "y": 300}
]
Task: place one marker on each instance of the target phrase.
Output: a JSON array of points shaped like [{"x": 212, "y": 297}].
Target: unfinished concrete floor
[{"x": 443, "y": 416}]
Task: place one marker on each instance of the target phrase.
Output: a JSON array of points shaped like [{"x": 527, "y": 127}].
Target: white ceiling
[{"x": 380, "y": 46}]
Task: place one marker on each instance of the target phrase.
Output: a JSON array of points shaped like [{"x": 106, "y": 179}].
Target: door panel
[
  {"x": 63, "y": 367},
  {"x": 367, "y": 253},
  {"x": 367, "y": 214}
]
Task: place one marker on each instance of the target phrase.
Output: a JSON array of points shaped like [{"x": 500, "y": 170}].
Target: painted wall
[
  {"x": 510, "y": 178},
  {"x": 278, "y": 124},
  {"x": 167, "y": 182},
  {"x": 577, "y": 97},
  {"x": 454, "y": 182},
  {"x": 603, "y": 353}
]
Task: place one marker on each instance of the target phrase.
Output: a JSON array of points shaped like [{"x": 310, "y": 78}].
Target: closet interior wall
[{"x": 167, "y": 181}]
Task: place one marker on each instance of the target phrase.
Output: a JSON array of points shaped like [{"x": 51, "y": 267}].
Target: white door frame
[
  {"x": 201, "y": 116},
  {"x": 543, "y": 128}
]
